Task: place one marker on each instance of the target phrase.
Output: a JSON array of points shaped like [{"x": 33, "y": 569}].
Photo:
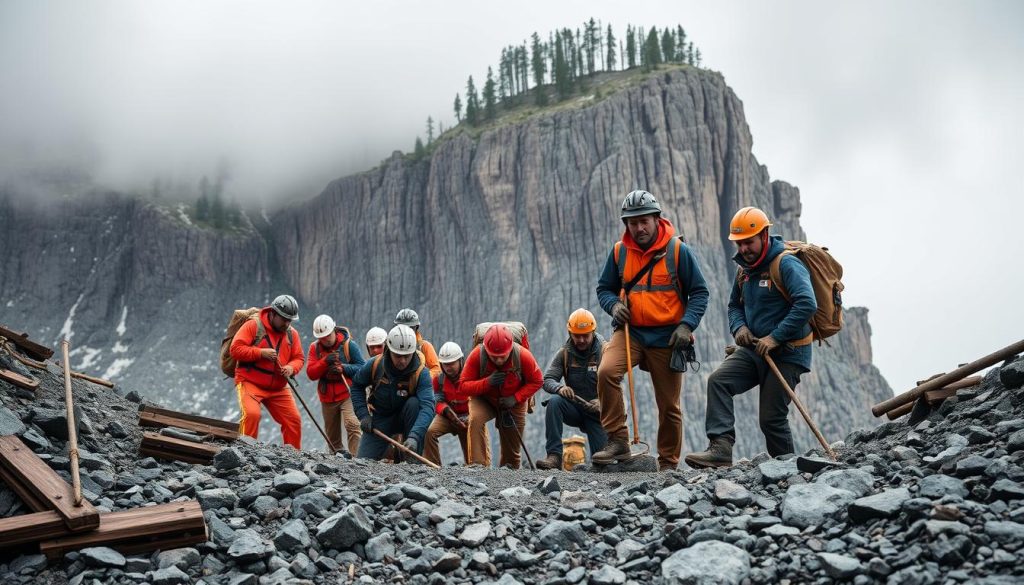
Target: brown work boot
[
  {"x": 615, "y": 450},
  {"x": 552, "y": 461},
  {"x": 718, "y": 454}
]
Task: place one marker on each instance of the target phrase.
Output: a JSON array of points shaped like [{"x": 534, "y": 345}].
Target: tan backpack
[{"x": 238, "y": 318}]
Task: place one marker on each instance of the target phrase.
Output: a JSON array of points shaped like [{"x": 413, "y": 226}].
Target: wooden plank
[
  {"x": 166, "y": 455},
  {"x": 156, "y": 420},
  {"x": 36, "y": 350},
  {"x": 27, "y": 497},
  {"x": 165, "y": 526},
  {"x": 47, "y": 486},
  {"x": 176, "y": 449},
  {"x": 31, "y": 528},
  {"x": 213, "y": 422},
  {"x": 18, "y": 380}
]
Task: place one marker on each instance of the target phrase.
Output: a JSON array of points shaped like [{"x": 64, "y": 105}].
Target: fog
[{"x": 900, "y": 122}]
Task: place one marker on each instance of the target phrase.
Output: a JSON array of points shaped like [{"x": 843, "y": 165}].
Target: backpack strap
[
  {"x": 672, "y": 265},
  {"x": 565, "y": 359},
  {"x": 775, "y": 274},
  {"x": 344, "y": 350},
  {"x": 620, "y": 259}
]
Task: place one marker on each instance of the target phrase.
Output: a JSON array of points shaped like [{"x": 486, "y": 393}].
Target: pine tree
[
  {"x": 631, "y": 46},
  {"x": 668, "y": 45},
  {"x": 563, "y": 86},
  {"x": 652, "y": 50},
  {"x": 417, "y": 149},
  {"x": 458, "y": 108},
  {"x": 680, "y": 56},
  {"x": 524, "y": 64},
  {"x": 590, "y": 45},
  {"x": 696, "y": 58},
  {"x": 539, "y": 69},
  {"x": 472, "y": 103},
  {"x": 622, "y": 54},
  {"x": 490, "y": 97},
  {"x": 430, "y": 130},
  {"x": 600, "y": 46},
  {"x": 689, "y": 54},
  {"x": 502, "y": 77},
  {"x": 610, "y": 58}
]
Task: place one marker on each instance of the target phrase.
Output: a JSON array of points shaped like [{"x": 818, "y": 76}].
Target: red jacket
[
  {"x": 254, "y": 369},
  {"x": 522, "y": 388},
  {"x": 452, "y": 395},
  {"x": 334, "y": 384}
]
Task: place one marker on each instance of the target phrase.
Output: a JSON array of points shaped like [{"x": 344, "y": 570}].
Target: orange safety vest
[{"x": 656, "y": 300}]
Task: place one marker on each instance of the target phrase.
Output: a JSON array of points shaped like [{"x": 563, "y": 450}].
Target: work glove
[
  {"x": 268, "y": 354},
  {"x": 743, "y": 336},
  {"x": 497, "y": 379},
  {"x": 411, "y": 444},
  {"x": 620, "y": 312},
  {"x": 287, "y": 371},
  {"x": 594, "y": 406},
  {"x": 566, "y": 392},
  {"x": 366, "y": 424},
  {"x": 333, "y": 360},
  {"x": 507, "y": 402},
  {"x": 681, "y": 337},
  {"x": 765, "y": 345},
  {"x": 450, "y": 415}
]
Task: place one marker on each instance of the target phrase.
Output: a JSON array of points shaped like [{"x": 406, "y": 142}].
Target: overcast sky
[{"x": 901, "y": 122}]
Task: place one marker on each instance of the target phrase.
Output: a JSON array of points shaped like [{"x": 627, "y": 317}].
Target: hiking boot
[
  {"x": 552, "y": 461},
  {"x": 718, "y": 454},
  {"x": 615, "y": 450}
]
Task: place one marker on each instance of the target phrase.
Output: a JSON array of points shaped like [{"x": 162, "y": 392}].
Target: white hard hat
[
  {"x": 376, "y": 336},
  {"x": 450, "y": 352},
  {"x": 323, "y": 326},
  {"x": 402, "y": 340}
]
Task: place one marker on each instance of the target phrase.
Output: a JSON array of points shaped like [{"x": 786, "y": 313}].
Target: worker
[
  {"x": 375, "y": 339},
  {"x": 333, "y": 362},
  {"x": 411, "y": 319},
  {"x": 452, "y": 406}
]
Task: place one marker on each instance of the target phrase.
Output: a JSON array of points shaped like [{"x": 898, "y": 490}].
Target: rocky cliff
[{"x": 512, "y": 223}]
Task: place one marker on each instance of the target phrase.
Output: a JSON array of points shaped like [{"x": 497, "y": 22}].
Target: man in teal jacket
[
  {"x": 393, "y": 393},
  {"x": 763, "y": 323}
]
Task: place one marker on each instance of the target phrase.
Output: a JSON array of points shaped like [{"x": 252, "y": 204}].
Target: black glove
[
  {"x": 333, "y": 360},
  {"x": 681, "y": 337},
  {"x": 366, "y": 424},
  {"x": 765, "y": 345},
  {"x": 411, "y": 444},
  {"x": 743, "y": 336},
  {"x": 507, "y": 402},
  {"x": 497, "y": 379},
  {"x": 506, "y": 419},
  {"x": 620, "y": 312}
]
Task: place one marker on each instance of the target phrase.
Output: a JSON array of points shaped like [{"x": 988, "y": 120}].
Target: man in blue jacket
[
  {"x": 651, "y": 281},
  {"x": 392, "y": 393},
  {"x": 763, "y": 323}
]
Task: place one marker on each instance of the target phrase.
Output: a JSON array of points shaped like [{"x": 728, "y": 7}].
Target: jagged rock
[
  {"x": 290, "y": 481},
  {"x": 35, "y": 441},
  {"x": 264, "y": 505},
  {"x": 549, "y": 485},
  {"x": 249, "y": 546},
  {"x": 168, "y": 576},
  {"x": 447, "y": 508},
  {"x": 839, "y": 566},
  {"x": 380, "y": 546},
  {"x": 475, "y": 534},
  {"x": 776, "y": 470},
  {"x": 102, "y": 556},
  {"x": 515, "y": 492},
  {"x": 227, "y": 459},
  {"x": 812, "y": 503},
  {"x": 448, "y": 562},
  {"x": 728, "y": 492},
  {"x": 883, "y": 505},
  {"x": 1012, "y": 375},
  {"x": 116, "y": 430},
  {"x": 10, "y": 423},
  {"x": 781, "y": 530},
  {"x": 674, "y": 497},
  {"x": 310, "y": 503},
  {"x": 855, "y": 481},
  {"x": 707, "y": 563},
  {"x": 938, "y": 485},
  {"x": 28, "y": 564},
  {"x": 1005, "y": 532},
  {"x": 418, "y": 493},
  {"x": 955, "y": 444},
  {"x": 217, "y": 498},
  {"x": 607, "y": 575},
  {"x": 814, "y": 464},
  {"x": 972, "y": 465},
  {"x": 1015, "y": 442},
  {"x": 182, "y": 558},
  {"x": 345, "y": 528},
  {"x": 292, "y": 535},
  {"x": 54, "y": 422},
  {"x": 1005, "y": 489},
  {"x": 561, "y": 535}
]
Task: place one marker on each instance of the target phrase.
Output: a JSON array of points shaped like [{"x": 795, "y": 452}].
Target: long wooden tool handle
[
  {"x": 295, "y": 390},
  {"x": 406, "y": 450},
  {"x": 800, "y": 407},
  {"x": 629, "y": 377},
  {"x": 76, "y": 480},
  {"x": 946, "y": 379}
]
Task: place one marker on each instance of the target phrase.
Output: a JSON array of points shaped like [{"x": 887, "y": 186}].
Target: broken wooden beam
[
  {"x": 31, "y": 473},
  {"x": 946, "y": 379},
  {"x": 36, "y": 350},
  {"x": 18, "y": 380},
  {"x": 174, "y": 449},
  {"x": 154, "y": 417},
  {"x": 936, "y": 396},
  {"x": 32, "y": 527},
  {"x": 139, "y": 530}
]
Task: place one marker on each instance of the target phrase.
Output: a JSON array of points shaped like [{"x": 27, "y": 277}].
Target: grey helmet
[
  {"x": 407, "y": 317},
  {"x": 286, "y": 306},
  {"x": 639, "y": 203}
]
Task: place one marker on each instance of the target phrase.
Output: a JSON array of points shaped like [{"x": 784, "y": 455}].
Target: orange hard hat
[
  {"x": 747, "y": 223},
  {"x": 582, "y": 322},
  {"x": 498, "y": 340}
]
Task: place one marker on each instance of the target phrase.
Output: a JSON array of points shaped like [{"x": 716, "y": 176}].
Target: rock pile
[{"x": 942, "y": 502}]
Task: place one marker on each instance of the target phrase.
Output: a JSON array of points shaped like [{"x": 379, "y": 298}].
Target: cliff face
[{"x": 515, "y": 224}]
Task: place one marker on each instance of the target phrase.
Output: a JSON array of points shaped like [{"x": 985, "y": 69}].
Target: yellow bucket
[{"x": 573, "y": 452}]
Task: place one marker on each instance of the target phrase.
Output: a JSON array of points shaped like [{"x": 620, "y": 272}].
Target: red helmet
[{"x": 498, "y": 340}]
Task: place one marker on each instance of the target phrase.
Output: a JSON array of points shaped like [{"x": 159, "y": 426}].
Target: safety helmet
[
  {"x": 450, "y": 352},
  {"x": 376, "y": 336},
  {"x": 498, "y": 340},
  {"x": 323, "y": 326},
  {"x": 639, "y": 203},
  {"x": 747, "y": 223},
  {"x": 402, "y": 340},
  {"x": 407, "y": 317},
  {"x": 287, "y": 307},
  {"x": 582, "y": 322}
]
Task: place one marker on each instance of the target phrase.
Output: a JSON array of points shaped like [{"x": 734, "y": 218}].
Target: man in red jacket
[
  {"x": 452, "y": 406},
  {"x": 501, "y": 376},
  {"x": 268, "y": 351},
  {"x": 333, "y": 361}
]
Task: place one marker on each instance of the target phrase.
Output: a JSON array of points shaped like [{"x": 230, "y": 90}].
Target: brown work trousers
[
  {"x": 442, "y": 426},
  {"x": 667, "y": 394},
  {"x": 482, "y": 410},
  {"x": 336, "y": 414}
]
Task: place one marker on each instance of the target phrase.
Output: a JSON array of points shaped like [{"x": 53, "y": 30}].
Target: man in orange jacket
[
  {"x": 452, "y": 407},
  {"x": 411, "y": 319},
  {"x": 501, "y": 376},
  {"x": 268, "y": 351},
  {"x": 333, "y": 361}
]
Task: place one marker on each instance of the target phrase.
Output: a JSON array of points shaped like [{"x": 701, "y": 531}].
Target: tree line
[
  {"x": 210, "y": 207},
  {"x": 553, "y": 69}
]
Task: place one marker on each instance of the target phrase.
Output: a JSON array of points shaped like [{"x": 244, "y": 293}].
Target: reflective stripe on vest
[{"x": 657, "y": 299}]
